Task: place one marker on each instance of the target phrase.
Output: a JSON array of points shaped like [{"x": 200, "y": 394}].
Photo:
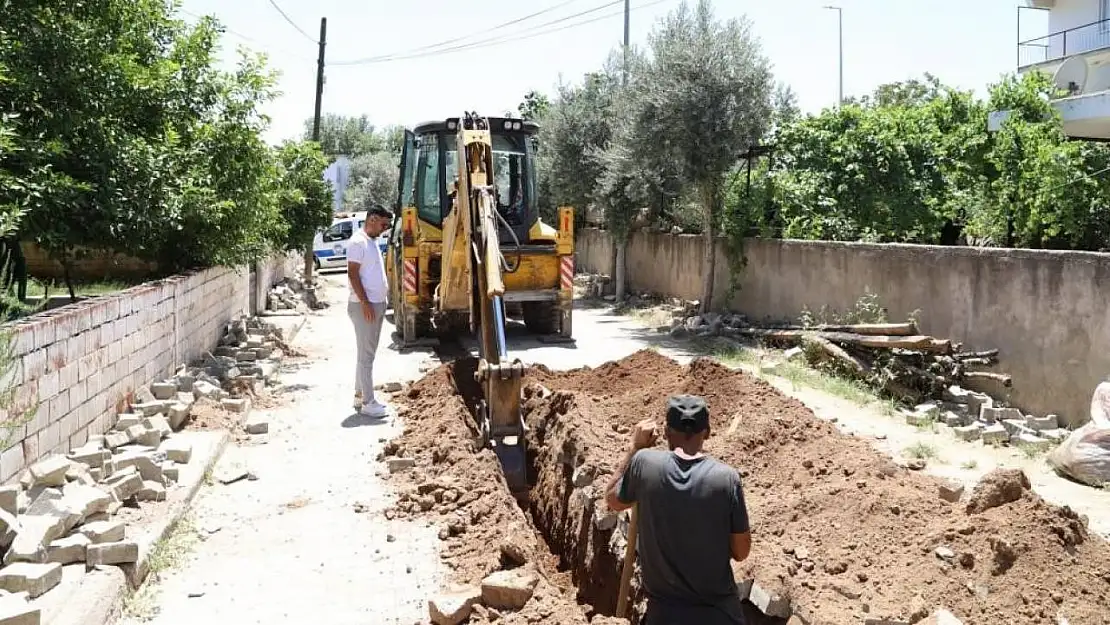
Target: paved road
[{"x": 306, "y": 541}]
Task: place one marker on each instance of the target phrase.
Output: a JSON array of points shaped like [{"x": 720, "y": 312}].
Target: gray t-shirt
[{"x": 688, "y": 510}]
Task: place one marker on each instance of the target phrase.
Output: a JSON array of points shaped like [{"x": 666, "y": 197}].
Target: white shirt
[{"x": 371, "y": 271}]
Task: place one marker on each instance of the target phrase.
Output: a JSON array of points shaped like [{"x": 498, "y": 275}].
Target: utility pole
[
  {"x": 840, "y": 35},
  {"x": 309, "y": 256},
  {"x": 627, "y": 10}
]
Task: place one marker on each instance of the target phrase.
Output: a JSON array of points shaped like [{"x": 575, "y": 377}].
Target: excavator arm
[{"x": 472, "y": 269}]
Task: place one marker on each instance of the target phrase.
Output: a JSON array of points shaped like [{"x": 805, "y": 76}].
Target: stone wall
[
  {"x": 80, "y": 362},
  {"x": 1046, "y": 311}
]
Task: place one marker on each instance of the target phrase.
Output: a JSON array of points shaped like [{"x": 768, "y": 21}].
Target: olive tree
[{"x": 702, "y": 98}]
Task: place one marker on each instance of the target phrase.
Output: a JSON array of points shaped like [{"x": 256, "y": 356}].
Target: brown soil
[{"x": 837, "y": 527}]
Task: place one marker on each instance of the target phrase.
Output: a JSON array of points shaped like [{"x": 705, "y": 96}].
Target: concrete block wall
[
  {"x": 79, "y": 363},
  {"x": 1046, "y": 311}
]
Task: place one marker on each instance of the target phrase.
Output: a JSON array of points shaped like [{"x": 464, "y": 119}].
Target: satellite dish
[{"x": 1071, "y": 76}]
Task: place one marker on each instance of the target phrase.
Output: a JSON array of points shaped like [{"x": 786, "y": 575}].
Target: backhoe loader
[{"x": 469, "y": 247}]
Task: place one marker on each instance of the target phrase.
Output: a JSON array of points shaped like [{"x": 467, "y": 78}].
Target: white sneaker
[{"x": 374, "y": 411}]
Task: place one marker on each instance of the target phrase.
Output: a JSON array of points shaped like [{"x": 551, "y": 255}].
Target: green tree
[
  {"x": 373, "y": 180},
  {"x": 703, "y": 98},
  {"x": 305, "y": 197},
  {"x": 342, "y": 135},
  {"x": 534, "y": 106}
]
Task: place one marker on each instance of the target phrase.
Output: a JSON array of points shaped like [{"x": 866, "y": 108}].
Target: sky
[{"x": 884, "y": 41}]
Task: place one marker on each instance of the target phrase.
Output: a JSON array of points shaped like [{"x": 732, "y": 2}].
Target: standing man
[
  {"x": 367, "y": 304},
  {"x": 692, "y": 519}
]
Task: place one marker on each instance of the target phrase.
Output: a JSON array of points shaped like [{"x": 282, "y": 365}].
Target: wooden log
[
  {"x": 867, "y": 329},
  {"x": 989, "y": 353},
  {"x": 914, "y": 343},
  {"x": 981, "y": 362},
  {"x": 1002, "y": 378},
  {"x": 840, "y": 355}
]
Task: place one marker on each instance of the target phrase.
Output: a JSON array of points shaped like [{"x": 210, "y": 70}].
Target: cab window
[
  {"x": 339, "y": 232},
  {"x": 428, "y": 200}
]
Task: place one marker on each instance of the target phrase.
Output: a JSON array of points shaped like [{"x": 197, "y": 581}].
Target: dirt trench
[{"x": 840, "y": 533}]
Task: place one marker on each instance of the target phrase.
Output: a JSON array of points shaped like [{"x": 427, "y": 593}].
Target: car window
[{"x": 339, "y": 232}]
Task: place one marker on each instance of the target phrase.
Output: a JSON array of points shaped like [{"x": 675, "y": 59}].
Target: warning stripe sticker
[
  {"x": 566, "y": 272},
  {"x": 410, "y": 276}
]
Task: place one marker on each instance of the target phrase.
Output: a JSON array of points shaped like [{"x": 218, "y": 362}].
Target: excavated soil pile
[{"x": 840, "y": 533}]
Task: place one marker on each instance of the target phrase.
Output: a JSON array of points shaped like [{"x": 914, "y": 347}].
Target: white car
[{"x": 330, "y": 246}]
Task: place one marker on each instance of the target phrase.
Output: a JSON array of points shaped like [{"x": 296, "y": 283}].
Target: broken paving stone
[
  {"x": 163, "y": 390},
  {"x": 916, "y": 418},
  {"x": 103, "y": 531},
  {"x": 53, "y": 504},
  {"x": 236, "y": 405},
  {"x": 170, "y": 472},
  {"x": 995, "y": 434},
  {"x": 942, "y": 617},
  {"x": 67, "y": 550},
  {"x": 90, "y": 456},
  {"x": 1015, "y": 427},
  {"x": 16, "y": 610},
  {"x": 771, "y": 604},
  {"x": 159, "y": 424},
  {"x": 950, "y": 491},
  {"x": 151, "y": 491},
  {"x": 148, "y": 409},
  {"x": 32, "y": 578},
  {"x": 1056, "y": 435},
  {"x": 509, "y": 590},
  {"x": 993, "y": 415},
  {"x": 944, "y": 553},
  {"x": 1040, "y": 424},
  {"x": 122, "y": 552},
  {"x": 85, "y": 500},
  {"x": 178, "y": 414},
  {"x": 1032, "y": 441},
  {"x": 202, "y": 388},
  {"x": 50, "y": 471},
  {"x": 114, "y": 440},
  {"x": 177, "y": 449},
  {"x": 257, "y": 424},
  {"x": 34, "y": 533},
  {"x": 397, "y": 465},
  {"x": 146, "y": 463},
  {"x": 453, "y": 608},
  {"x": 124, "y": 487},
  {"x": 968, "y": 432},
  {"x": 9, "y": 499}
]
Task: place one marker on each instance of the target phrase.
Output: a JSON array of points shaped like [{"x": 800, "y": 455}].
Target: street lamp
[{"x": 840, "y": 30}]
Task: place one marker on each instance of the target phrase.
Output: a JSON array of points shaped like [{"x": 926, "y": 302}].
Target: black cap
[{"x": 687, "y": 414}]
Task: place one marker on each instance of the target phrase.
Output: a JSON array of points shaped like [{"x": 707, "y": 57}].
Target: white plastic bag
[{"x": 1084, "y": 455}]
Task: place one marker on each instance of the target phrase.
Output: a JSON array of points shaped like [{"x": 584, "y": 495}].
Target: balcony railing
[{"x": 1060, "y": 45}]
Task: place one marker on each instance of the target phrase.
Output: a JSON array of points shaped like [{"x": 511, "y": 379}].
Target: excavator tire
[{"x": 542, "y": 317}]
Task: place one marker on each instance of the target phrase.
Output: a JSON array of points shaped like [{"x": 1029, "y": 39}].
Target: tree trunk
[
  {"x": 620, "y": 269},
  {"x": 613, "y": 256},
  {"x": 709, "y": 255},
  {"x": 67, "y": 277}
]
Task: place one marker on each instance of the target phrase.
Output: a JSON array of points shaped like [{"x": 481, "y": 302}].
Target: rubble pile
[
  {"x": 587, "y": 285},
  {"x": 62, "y": 510},
  {"x": 246, "y": 359},
  {"x": 291, "y": 294},
  {"x": 974, "y": 416}
]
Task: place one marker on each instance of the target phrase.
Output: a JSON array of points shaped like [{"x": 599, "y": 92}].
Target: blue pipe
[{"x": 499, "y": 320}]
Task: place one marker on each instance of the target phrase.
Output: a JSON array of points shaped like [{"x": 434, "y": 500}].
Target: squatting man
[
  {"x": 692, "y": 519},
  {"x": 367, "y": 304}
]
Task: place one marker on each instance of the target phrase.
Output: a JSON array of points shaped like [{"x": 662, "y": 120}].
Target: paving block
[
  {"x": 113, "y": 440},
  {"x": 509, "y": 590},
  {"x": 163, "y": 390},
  {"x": 91, "y": 456},
  {"x": 50, "y": 471},
  {"x": 930, "y": 408},
  {"x": 1056, "y": 435},
  {"x": 125, "y": 487},
  {"x": 159, "y": 424},
  {"x": 995, "y": 434},
  {"x": 236, "y": 405},
  {"x": 919, "y": 418},
  {"x": 177, "y": 449},
  {"x": 146, "y": 463},
  {"x": 453, "y": 608},
  {"x": 16, "y": 610},
  {"x": 201, "y": 388},
  {"x": 186, "y": 398},
  {"x": 9, "y": 526},
  {"x": 954, "y": 419},
  {"x": 9, "y": 498},
  {"x": 950, "y": 491},
  {"x": 1033, "y": 441},
  {"x": 1040, "y": 424},
  {"x": 32, "y": 578},
  {"x": 178, "y": 413},
  {"x": 149, "y": 437},
  {"x": 151, "y": 491},
  {"x": 994, "y": 415},
  {"x": 85, "y": 500},
  {"x": 67, "y": 550},
  {"x": 170, "y": 472},
  {"x": 122, "y": 552},
  {"x": 257, "y": 423},
  {"x": 1015, "y": 427},
  {"x": 771, "y": 604},
  {"x": 957, "y": 394},
  {"x": 148, "y": 409},
  {"x": 53, "y": 504},
  {"x": 103, "y": 531},
  {"x": 185, "y": 382},
  {"x": 127, "y": 420}
]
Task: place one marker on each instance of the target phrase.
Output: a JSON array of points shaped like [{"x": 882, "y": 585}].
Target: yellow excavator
[{"x": 469, "y": 250}]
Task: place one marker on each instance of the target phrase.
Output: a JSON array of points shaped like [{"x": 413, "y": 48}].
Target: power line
[
  {"x": 488, "y": 30},
  {"x": 480, "y": 43},
  {"x": 292, "y": 23},
  {"x": 498, "y": 41},
  {"x": 248, "y": 39}
]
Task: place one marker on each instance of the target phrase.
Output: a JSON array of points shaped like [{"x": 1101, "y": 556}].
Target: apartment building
[{"x": 1076, "y": 52}]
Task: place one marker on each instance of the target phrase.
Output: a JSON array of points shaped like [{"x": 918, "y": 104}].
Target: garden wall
[
  {"x": 1045, "y": 310},
  {"x": 80, "y": 362}
]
